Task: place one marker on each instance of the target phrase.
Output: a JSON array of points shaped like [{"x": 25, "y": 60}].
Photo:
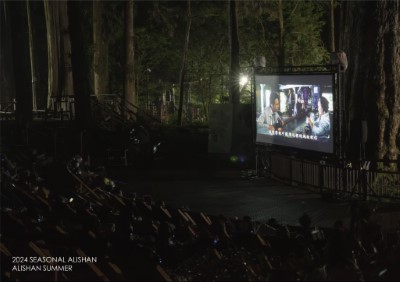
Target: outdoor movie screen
[{"x": 295, "y": 110}]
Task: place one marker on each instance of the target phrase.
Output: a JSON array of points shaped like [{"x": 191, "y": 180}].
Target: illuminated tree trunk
[
  {"x": 129, "y": 84},
  {"x": 7, "y": 85},
  {"x": 67, "y": 86},
  {"x": 53, "y": 49},
  {"x": 100, "y": 52},
  {"x": 32, "y": 57},
  {"x": 184, "y": 59},
  {"x": 38, "y": 52},
  {"x": 386, "y": 78},
  {"x": 371, "y": 38},
  {"x": 332, "y": 46},
  {"x": 234, "y": 70}
]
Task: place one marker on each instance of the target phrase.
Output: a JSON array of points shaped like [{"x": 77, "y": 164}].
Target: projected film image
[{"x": 295, "y": 111}]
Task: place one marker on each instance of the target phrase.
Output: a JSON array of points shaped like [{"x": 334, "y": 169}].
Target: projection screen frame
[{"x": 327, "y": 71}]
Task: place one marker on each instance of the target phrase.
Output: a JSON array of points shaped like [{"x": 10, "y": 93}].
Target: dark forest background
[{"x": 172, "y": 59}]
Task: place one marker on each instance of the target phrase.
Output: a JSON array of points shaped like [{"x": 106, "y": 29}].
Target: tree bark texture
[
  {"x": 388, "y": 79},
  {"x": 53, "y": 49},
  {"x": 184, "y": 60},
  {"x": 21, "y": 61},
  {"x": 129, "y": 83},
  {"x": 6, "y": 59},
  {"x": 371, "y": 38},
  {"x": 32, "y": 56},
  {"x": 38, "y": 53},
  {"x": 332, "y": 46},
  {"x": 100, "y": 54},
  {"x": 80, "y": 65},
  {"x": 68, "y": 86}
]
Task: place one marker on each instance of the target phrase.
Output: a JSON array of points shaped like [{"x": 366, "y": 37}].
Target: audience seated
[{"x": 135, "y": 237}]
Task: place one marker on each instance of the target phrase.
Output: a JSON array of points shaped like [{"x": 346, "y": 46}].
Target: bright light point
[
  {"x": 233, "y": 159},
  {"x": 243, "y": 80}
]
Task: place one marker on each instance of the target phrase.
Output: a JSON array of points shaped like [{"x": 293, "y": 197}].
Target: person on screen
[
  {"x": 271, "y": 117},
  {"x": 299, "y": 110},
  {"x": 291, "y": 101},
  {"x": 306, "y": 94},
  {"x": 322, "y": 126}
]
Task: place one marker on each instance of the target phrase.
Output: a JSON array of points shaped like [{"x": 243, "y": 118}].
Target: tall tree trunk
[
  {"x": 281, "y": 54},
  {"x": 129, "y": 83},
  {"x": 332, "y": 47},
  {"x": 234, "y": 75},
  {"x": 100, "y": 54},
  {"x": 387, "y": 78},
  {"x": 6, "y": 59},
  {"x": 53, "y": 49},
  {"x": 38, "y": 53},
  {"x": 234, "y": 70},
  {"x": 32, "y": 57},
  {"x": 68, "y": 86},
  {"x": 80, "y": 65},
  {"x": 184, "y": 59},
  {"x": 20, "y": 45},
  {"x": 373, "y": 76}
]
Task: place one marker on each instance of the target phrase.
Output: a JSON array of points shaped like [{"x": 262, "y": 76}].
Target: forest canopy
[{"x": 173, "y": 59}]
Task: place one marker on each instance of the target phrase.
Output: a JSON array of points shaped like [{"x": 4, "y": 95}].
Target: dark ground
[
  {"x": 227, "y": 193},
  {"x": 182, "y": 173}
]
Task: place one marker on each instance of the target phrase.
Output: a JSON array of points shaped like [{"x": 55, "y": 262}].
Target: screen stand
[
  {"x": 263, "y": 162},
  {"x": 362, "y": 182}
]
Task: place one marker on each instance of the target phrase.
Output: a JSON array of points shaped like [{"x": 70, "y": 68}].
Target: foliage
[
  {"x": 303, "y": 23},
  {"x": 159, "y": 38},
  {"x": 159, "y": 32},
  {"x": 158, "y": 48},
  {"x": 114, "y": 27},
  {"x": 209, "y": 55},
  {"x": 303, "y": 35}
]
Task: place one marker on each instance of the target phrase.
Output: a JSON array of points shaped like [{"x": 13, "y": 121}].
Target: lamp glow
[{"x": 243, "y": 80}]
